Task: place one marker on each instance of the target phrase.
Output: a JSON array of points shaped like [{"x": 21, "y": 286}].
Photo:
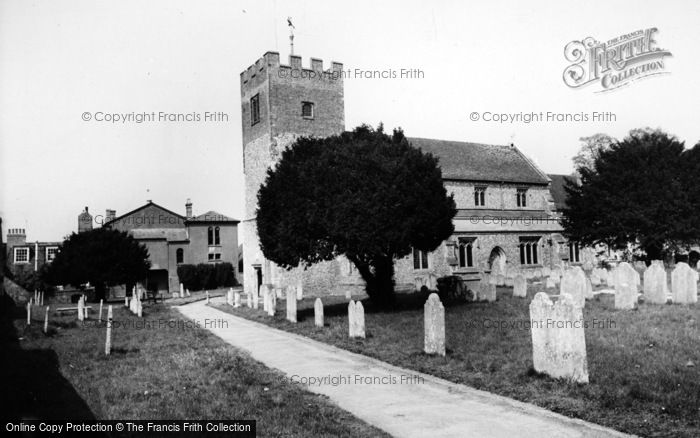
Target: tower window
[
  {"x": 479, "y": 196},
  {"x": 179, "y": 255},
  {"x": 522, "y": 197},
  {"x": 574, "y": 252},
  {"x": 420, "y": 259},
  {"x": 254, "y": 109},
  {"x": 466, "y": 255},
  {"x": 307, "y": 110}
]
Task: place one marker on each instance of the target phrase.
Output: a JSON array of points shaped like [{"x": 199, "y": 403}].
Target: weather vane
[{"x": 291, "y": 33}]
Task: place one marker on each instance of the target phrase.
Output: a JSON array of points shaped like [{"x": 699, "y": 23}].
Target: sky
[{"x": 61, "y": 59}]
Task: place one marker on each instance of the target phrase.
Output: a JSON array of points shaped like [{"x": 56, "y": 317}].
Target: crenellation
[{"x": 316, "y": 64}]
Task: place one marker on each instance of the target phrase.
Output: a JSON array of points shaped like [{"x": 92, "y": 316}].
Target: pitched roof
[
  {"x": 557, "y": 189},
  {"x": 169, "y": 234},
  {"x": 481, "y": 162},
  {"x": 147, "y": 204},
  {"x": 212, "y": 216}
]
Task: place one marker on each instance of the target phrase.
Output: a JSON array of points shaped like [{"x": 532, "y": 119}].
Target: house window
[
  {"x": 420, "y": 259},
  {"x": 51, "y": 252},
  {"x": 479, "y": 196},
  {"x": 210, "y": 236},
  {"x": 574, "y": 253},
  {"x": 528, "y": 251},
  {"x": 213, "y": 256},
  {"x": 307, "y": 110},
  {"x": 254, "y": 109},
  {"x": 522, "y": 197},
  {"x": 179, "y": 255},
  {"x": 217, "y": 239},
  {"x": 466, "y": 255},
  {"x": 21, "y": 255}
]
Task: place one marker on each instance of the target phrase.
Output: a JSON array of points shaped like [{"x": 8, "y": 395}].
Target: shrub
[
  {"x": 207, "y": 276},
  {"x": 451, "y": 289}
]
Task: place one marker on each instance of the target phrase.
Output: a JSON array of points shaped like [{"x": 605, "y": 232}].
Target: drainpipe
[{"x": 36, "y": 255}]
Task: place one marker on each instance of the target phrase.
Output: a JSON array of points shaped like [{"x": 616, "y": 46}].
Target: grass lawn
[
  {"x": 639, "y": 361},
  {"x": 167, "y": 372}
]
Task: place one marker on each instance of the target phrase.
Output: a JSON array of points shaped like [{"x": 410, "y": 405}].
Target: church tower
[{"x": 278, "y": 104}]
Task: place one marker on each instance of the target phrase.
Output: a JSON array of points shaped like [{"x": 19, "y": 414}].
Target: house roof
[
  {"x": 482, "y": 162},
  {"x": 169, "y": 234},
  {"x": 147, "y": 204},
  {"x": 212, "y": 216},
  {"x": 557, "y": 189}
]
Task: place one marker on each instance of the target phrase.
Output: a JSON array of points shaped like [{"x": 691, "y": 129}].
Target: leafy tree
[
  {"x": 591, "y": 147},
  {"x": 638, "y": 191},
  {"x": 103, "y": 257},
  {"x": 363, "y": 194}
]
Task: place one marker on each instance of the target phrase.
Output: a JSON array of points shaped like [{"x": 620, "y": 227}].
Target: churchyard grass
[
  {"x": 164, "y": 373},
  {"x": 644, "y": 364}
]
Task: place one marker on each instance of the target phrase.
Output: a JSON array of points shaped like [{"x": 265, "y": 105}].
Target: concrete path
[{"x": 402, "y": 402}]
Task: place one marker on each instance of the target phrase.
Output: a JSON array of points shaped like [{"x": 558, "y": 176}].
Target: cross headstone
[
  {"x": 655, "y": 283},
  {"x": 318, "y": 313},
  {"x": 519, "y": 286},
  {"x": 291, "y": 304},
  {"x": 558, "y": 349},
  {"x": 684, "y": 284},
  {"x": 434, "y": 325}
]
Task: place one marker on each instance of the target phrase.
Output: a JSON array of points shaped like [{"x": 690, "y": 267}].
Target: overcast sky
[{"x": 60, "y": 59}]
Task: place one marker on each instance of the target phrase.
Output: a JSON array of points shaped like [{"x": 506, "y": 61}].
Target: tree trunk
[{"x": 379, "y": 279}]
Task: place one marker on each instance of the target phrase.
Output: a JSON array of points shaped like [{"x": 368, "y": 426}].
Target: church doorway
[{"x": 497, "y": 261}]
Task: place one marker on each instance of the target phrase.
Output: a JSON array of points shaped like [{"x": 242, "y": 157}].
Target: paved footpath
[{"x": 421, "y": 406}]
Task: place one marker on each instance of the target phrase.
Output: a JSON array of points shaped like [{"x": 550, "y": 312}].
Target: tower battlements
[{"x": 270, "y": 63}]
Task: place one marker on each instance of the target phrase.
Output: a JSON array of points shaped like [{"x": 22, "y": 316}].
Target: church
[{"x": 507, "y": 216}]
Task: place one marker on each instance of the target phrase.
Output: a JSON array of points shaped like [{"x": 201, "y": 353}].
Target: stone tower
[{"x": 278, "y": 104}]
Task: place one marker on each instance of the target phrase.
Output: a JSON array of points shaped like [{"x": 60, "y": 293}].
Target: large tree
[
  {"x": 103, "y": 257},
  {"x": 363, "y": 194},
  {"x": 638, "y": 191}
]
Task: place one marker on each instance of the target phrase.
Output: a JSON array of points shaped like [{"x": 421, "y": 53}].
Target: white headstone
[
  {"x": 236, "y": 299},
  {"x": 487, "y": 289},
  {"x": 256, "y": 300},
  {"x": 29, "y": 313},
  {"x": 624, "y": 273},
  {"x": 108, "y": 338},
  {"x": 558, "y": 338},
  {"x": 292, "y": 304},
  {"x": 265, "y": 292},
  {"x": 182, "y": 290},
  {"x": 300, "y": 291},
  {"x": 46, "y": 320},
  {"x": 249, "y": 300},
  {"x": 81, "y": 310},
  {"x": 356, "y": 319},
  {"x": 574, "y": 283},
  {"x": 655, "y": 283},
  {"x": 100, "y": 317},
  {"x": 520, "y": 286},
  {"x": 434, "y": 325},
  {"x": 318, "y": 312},
  {"x": 684, "y": 284},
  {"x": 500, "y": 280},
  {"x": 546, "y": 271},
  {"x": 549, "y": 283},
  {"x": 510, "y": 281},
  {"x": 626, "y": 296}
]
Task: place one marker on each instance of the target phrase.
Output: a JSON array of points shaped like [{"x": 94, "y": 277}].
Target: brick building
[
  {"x": 506, "y": 213},
  {"x": 24, "y": 257},
  {"x": 173, "y": 239}
]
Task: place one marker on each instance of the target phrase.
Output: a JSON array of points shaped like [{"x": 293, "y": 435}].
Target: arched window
[
  {"x": 528, "y": 251},
  {"x": 217, "y": 239},
  {"x": 466, "y": 257},
  {"x": 210, "y": 235},
  {"x": 179, "y": 256}
]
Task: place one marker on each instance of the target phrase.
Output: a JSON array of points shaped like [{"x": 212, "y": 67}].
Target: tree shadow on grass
[{"x": 32, "y": 385}]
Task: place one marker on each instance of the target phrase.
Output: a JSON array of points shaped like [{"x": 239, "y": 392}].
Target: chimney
[
  {"x": 188, "y": 209},
  {"x": 84, "y": 221},
  {"x": 15, "y": 237},
  {"x": 110, "y": 215}
]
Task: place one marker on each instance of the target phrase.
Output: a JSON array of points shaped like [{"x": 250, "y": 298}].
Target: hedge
[{"x": 207, "y": 276}]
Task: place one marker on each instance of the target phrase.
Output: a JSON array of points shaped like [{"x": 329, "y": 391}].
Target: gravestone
[
  {"x": 100, "y": 317},
  {"x": 256, "y": 300},
  {"x": 625, "y": 296},
  {"x": 589, "y": 289},
  {"x": 520, "y": 286},
  {"x": 595, "y": 279},
  {"x": 265, "y": 292},
  {"x": 500, "y": 280},
  {"x": 318, "y": 313},
  {"x": 356, "y": 319},
  {"x": 249, "y": 300},
  {"x": 574, "y": 283},
  {"x": 182, "y": 290},
  {"x": 207, "y": 295},
  {"x": 492, "y": 278},
  {"x": 291, "y": 304},
  {"x": 187, "y": 291},
  {"x": 487, "y": 289},
  {"x": 684, "y": 284},
  {"x": 510, "y": 281},
  {"x": 550, "y": 283},
  {"x": 29, "y": 313},
  {"x": 655, "y": 283},
  {"x": 558, "y": 338},
  {"x": 108, "y": 338},
  {"x": 537, "y": 274},
  {"x": 546, "y": 271},
  {"x": 46, "y": 320},
  {"x": 624, "y": 273},
  {"x": 81, "y": 311},
  {"x": 434, "y": 325},
  {"x": 300, "y": 292},
  {"x": 236, "y": 299}
]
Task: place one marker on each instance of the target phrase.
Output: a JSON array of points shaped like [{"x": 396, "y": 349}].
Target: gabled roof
[
  {"x": 557, "y": 189},
  {"x": 212, "y": 216},
  {"x": 148, "y": 204},
  {"x": 481, "y": 162}
]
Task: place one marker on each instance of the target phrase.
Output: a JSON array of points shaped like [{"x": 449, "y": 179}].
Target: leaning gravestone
[
  {"x": 559, "y": 347},
  {"x": 625, "y": 296},
  {"x": 434, "y": 325},
  {"x": 655, "y": 283},
  {"x": 574, "y": 283},
  {"x": 356, "y": 319},
  {"x": 684, "y": 284},
  {"x": 291, "y": 304},
  {"x": 520, "y": 286},
  {"x": 318, "y": 313},
  {"x": 236, "y": 299}
]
